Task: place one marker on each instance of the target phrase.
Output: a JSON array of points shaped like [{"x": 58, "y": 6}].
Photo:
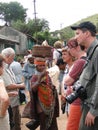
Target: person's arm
[
  {"x": 69, "y": 81},
  {"x": 12, "y": 94},
  {"x": 15, "y": 86},
  {"x": 4, "y": 99},
  {"x": 25, "y": 72},
  {"x": 91, "y": 115},
  {"x": 36, "y": 80},
  {"x": 34, "y": 83},
  {"x": 75, "y": 72}
]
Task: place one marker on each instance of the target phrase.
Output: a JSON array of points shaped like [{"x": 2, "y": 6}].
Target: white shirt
[{"x": 54, "y": 75}]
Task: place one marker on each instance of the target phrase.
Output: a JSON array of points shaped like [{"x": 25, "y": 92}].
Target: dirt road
[{"x": 61, "y": 121}]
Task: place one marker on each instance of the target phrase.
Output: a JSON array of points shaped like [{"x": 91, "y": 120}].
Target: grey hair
[{"x": 8, "y": 52}]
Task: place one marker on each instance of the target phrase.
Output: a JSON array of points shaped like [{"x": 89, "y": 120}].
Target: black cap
[{"x": 88, "y": 25}]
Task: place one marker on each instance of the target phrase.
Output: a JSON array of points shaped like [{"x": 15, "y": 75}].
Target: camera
[{"x": 79, "y": 92}]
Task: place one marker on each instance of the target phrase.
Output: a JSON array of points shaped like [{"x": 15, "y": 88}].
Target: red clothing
[
  {"x": 77, "y": 69},
  {"x": 74, "y": 117},
  {"x": 75, "y": 107},
  {"x": 38, "y": 111},
  {"x": 75, "y": 73}
]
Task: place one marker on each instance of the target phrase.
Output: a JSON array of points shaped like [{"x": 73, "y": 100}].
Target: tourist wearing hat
[{"x": 85, "y": 34}]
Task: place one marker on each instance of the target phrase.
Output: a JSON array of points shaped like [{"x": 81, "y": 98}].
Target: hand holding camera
[{"x": 79, "y": 92}]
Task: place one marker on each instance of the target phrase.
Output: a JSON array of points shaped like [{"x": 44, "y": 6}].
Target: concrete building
[{"x": 11, "y": 37}]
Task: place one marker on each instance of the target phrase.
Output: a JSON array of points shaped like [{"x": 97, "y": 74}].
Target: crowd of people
[{"x": 72, "y": 76}]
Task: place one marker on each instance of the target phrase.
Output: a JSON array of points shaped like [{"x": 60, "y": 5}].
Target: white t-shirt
[{"x": 56, "y": 54}]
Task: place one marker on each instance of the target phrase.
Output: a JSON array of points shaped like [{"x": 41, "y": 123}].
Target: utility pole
[
  {"x": 61, "y": 25},
  {"x": 35, "y": 10},
  {"x": 35, "y": 17}
]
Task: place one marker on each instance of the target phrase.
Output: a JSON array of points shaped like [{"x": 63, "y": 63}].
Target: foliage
[
  {"x": 41, "y": 36},
  {"x": 20, "y": 26},
  {"x": 14, "y": 14},
  {"x": 38, "y": 25},
  {"x": 32, "y": 26},
  {"x": 45, "y": 35},
  {"x": 12, "y": 11}
]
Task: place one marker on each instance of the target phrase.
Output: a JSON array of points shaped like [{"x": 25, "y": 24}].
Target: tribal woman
[{"x": 44, "y": 99}]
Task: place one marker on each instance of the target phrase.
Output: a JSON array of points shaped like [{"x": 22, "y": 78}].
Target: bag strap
[
  {"x": 90, "y": 56},
  {"x": 88, "y": 59},
  {"x": 59, "y": 52}
]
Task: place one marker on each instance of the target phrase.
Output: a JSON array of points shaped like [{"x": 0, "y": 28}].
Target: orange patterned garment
[{"x": 46, "y": 95}]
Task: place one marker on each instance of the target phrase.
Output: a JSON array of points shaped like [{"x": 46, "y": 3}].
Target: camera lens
[
  {"x": 79, "y": 92},
  {"x": 70, "y": 98}
]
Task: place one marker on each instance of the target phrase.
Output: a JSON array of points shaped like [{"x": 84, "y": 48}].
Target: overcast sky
[{"x": 60, "y": 13}]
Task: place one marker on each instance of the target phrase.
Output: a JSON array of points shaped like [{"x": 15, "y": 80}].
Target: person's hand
[
  {"x": 22, "y": 86},
  {"x": 63, "y": 99},
  {"x": 89, "y": 119},
  {"x": 44, "y": 73},
  {"x": 13, "y": 93}
]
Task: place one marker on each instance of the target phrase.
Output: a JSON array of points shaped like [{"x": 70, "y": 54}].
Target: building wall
[{"x": 16, "y": 35}]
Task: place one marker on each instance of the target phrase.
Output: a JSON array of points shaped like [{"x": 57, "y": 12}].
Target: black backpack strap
[
  {"x": 83, "y": 57},
  {"x": 90, "y": 56},
  {"x": 59, "y": 52}
]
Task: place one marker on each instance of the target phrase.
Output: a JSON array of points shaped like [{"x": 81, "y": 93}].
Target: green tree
[
  {"x": 39, "y": 29},
  {"x": 41, "y": 36},
  {"x": 12, "y": 11},
  {"x": 20, "y": 26},
  {"x": 37, "y": 25},
  {"x": 32, "y": 27}
]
